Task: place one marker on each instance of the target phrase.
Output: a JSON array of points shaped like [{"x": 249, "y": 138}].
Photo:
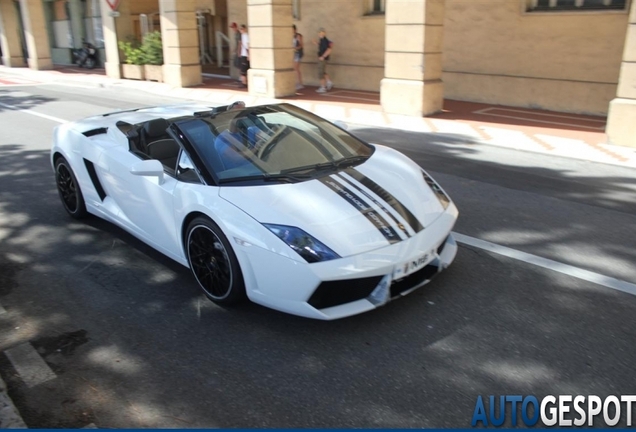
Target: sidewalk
[{"x": 559, "y": 134}]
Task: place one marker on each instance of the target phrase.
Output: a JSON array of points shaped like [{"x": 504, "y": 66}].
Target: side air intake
[{"x": 96, "y": 183}]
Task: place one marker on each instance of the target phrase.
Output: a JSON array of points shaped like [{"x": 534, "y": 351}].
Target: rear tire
[
  {"x": 69, "y": 190},
  {"x": 213, "y": 262}
]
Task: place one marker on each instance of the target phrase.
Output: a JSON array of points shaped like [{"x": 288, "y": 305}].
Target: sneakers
[
  {"x": 329, "y": 85},
  {"x": 299, "y": 86},
  {"x": 321, "y": 90}
]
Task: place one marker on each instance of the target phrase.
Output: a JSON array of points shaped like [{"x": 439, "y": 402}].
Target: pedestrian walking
[
  {"x": 236, "y": 57},
  {"x": 244, "y": 53},
  {"x": 298, "y": 54},
  {"x": 324, "y": 50}
]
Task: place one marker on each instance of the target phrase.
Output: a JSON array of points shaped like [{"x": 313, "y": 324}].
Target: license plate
[{"x": 412, "y": 265}]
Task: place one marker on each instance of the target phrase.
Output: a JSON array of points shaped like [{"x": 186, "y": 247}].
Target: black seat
[
  {"x": 153, "y": 130},
  {"x": 165, "y": 150}
]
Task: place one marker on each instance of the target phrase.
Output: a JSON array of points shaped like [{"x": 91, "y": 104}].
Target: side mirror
[
  {"x": 148, "y": 168},
  {"x": 342, "y": 125}
]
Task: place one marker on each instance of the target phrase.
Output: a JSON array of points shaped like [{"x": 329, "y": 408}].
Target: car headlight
[
  {"x": 305, "y": 245},
  {"x": 437, "y": 190}
]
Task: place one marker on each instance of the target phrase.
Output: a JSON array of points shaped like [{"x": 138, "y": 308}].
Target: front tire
[
  {"x": 214, "y": 263},
  {"x": 69, "y": 190}
]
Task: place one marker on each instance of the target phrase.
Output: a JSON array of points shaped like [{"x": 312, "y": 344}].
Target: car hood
[{"x": 380, "y": 202}]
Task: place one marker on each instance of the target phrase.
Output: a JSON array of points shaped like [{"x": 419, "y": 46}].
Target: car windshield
[{"x": 271, "y": 143}]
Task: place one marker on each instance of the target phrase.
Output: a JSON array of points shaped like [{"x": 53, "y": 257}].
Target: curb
[{"x": 9, "y": 416}]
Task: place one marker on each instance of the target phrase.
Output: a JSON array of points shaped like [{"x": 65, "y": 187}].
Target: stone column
[
  {"x": 271, "y": 53},
  {"x": 10, "y": 35},
  {"x": 621, "y": 120},
  {"x": 412, "y": 83},
  {"x": 36, "y": 34},
  {"x": 180, "y": 42},
  {"x": 77, "y": 22},
  {"x": 111, "y": 50}
]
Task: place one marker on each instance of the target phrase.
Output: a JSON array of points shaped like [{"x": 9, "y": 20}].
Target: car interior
[
  {"x": 151, "y": 141},
  {"x": 239, "y": 143}
]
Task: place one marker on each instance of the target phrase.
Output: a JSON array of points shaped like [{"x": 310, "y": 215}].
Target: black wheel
[
  {"x": 214, "y": 263},
  {"x": 69, "y": 190},
  {"x": 90, "y": 63}
]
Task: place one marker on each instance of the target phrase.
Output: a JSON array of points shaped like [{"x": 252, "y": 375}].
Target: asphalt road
[{"x": 134, "y": 344}]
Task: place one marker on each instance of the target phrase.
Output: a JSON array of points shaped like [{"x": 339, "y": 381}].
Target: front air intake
[{"x": 334, "y": 293}]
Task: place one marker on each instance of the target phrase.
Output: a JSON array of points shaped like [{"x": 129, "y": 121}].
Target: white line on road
[
  {"x": 27, "y": 362},
  {"x": 549, "y": 264},
  {"x": 28, "y": 111}
]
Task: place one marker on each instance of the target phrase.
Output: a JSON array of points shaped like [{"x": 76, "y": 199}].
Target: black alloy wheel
[
  {"x": 214, "y": 263},
  {"x": 69, "y": 190}
]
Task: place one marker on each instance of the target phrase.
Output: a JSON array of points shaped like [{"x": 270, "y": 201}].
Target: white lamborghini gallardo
[{"x": 269, "y": 202}]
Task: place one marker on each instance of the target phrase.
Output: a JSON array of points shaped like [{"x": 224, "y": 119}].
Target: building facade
[{"x": 575, "y": 56}]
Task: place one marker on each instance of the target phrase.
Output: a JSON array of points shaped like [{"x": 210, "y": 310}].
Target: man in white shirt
[{"x": 244, "y": 50}]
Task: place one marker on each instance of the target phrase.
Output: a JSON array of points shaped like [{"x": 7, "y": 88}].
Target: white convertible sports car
[{"x": 270, "y": 202}]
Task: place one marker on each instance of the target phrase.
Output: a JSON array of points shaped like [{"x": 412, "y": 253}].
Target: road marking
[
  {"x": 549, "y": 264},
  {"x": 27, "y": 362},
  {"x": 28, "y": 111}
]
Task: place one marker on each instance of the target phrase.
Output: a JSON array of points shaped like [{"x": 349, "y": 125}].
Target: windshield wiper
[
  {"x": 315, "y": 167},
  {"x": 268, "y": 178},
  {"x": 351, "y": 160}
]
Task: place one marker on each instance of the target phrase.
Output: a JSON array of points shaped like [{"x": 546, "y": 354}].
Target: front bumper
[{"x": 347, "y": 286}]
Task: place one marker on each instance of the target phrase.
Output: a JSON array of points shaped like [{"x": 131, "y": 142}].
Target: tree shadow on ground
[
  {"x": 159, "y": 355},
  {"x": 19, "y": 100}
]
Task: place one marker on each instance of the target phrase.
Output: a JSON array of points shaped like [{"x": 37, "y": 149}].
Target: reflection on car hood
[{"x": 381, "y": 202}]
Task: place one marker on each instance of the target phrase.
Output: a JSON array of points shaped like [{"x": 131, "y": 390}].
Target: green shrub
[
  {"x": 132, "y": 53},
  {"x": 152, "y": 49}
]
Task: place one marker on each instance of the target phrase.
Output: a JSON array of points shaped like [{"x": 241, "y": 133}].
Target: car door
[{"x": 145, "y": 202}]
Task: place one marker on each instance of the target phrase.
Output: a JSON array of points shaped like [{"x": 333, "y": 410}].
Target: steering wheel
[{"x": 270, "y": 142}]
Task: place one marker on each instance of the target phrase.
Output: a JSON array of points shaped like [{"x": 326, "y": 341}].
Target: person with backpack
[{"x": 324, "y": 50}]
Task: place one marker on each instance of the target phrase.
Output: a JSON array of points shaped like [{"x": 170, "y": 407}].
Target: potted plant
[
  {"x": 134, "y": 58},
  {"x": 152, "y": 49}
]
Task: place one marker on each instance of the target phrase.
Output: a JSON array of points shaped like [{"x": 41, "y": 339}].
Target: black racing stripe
[
  {"x": 378, "y": 203},
  {"x": 367, "y": 211},
  {"x": 386, "y": 196}
]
